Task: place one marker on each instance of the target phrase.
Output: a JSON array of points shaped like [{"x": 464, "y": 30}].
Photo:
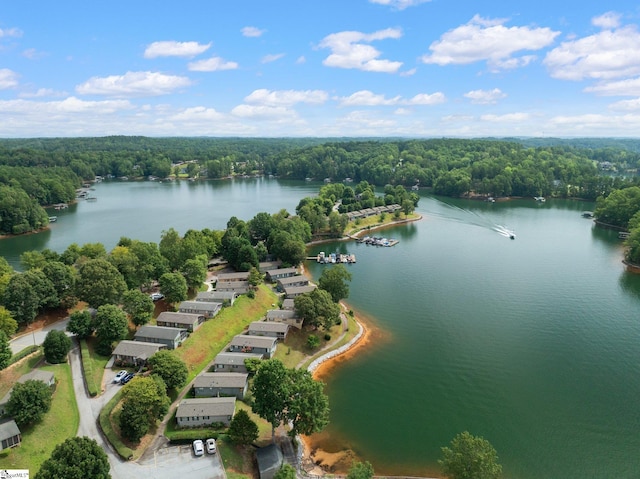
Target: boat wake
[{"x": 469, "y": 217}]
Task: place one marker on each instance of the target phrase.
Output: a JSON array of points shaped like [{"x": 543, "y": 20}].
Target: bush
[
  {"x": 29, "y": 401},
  {"x": 56, "y": 346},
  {"x": 23, "y": 354},
  {"x": 313, "y": 342},
  {"x": 327, "y": 337}
]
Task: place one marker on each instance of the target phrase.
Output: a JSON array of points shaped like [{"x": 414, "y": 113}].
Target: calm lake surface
[{"x": 533, "y": 343}]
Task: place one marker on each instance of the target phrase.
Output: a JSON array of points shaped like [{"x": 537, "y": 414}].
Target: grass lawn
[
  {"x": 60, "y": 423},
  {"x": 204, "y": 344},
  {"x": 374, "y": 222},
  {"x": 93, "y": 364}
]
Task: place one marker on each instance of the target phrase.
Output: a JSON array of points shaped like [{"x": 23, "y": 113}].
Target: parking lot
[{"x": 179, "y": 461}]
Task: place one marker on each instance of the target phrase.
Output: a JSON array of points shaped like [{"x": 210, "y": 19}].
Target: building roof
[
  {"x": 233, "y": 284},
  {"x": 235, "y": 358},
  {"x": 298, "y": 289},
  {"x": 158, "y": 332},
  {"x": 288, "y": 304},
  {"x": 280, "y": 314},
  {"x": 181, "y": 318},
  {"x": 200, "y": 305},
  {"x": 268, "y": 327},
  {"x": 281, "y": 271},
  {"x": 220, "y": 380},
  {"x": 137, "y": 349},
  {"x": 225, "y": 406},
  {"x": 267, "y": 265},
  {"x": 243, "y": 340},
  {"x": 284, "y": 282},
  {"x": 216, "y": 295},
  {"x": 46, "y": 377},
  {"x": 8, "y": 429},
  {"x": 236, "y": 276}
]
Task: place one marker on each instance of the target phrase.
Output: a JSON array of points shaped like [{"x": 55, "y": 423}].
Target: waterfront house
[
  {"x": 46, "y": 377},
  {"x": 292, "y": 281},
  {"x": 10, "y": 435},
  {"x": 227, "y": 298},
  {"x": 232, "y": 277},
  {"x": 170, "y": 337},
  {"x": 274, "y": 275},
  {"x": 188, "y": 321},
  {"x": 293, "y": 291},
  {"x": 233, "y": 362},
  {"x": 208, "y": 309},
  {"x": 238, "y": 287},
  {"x": 205, "y": 411},
  {"x": 287, "y": 316},
  {"x": 135, "y": 353},
  {"x": 243, "y": 343},
  {"x": 269, "y": 328},
  {"x": 220, "y": 384}
]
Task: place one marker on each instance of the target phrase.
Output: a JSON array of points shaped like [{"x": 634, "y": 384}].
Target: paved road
[{"x": 37, "y": 337}]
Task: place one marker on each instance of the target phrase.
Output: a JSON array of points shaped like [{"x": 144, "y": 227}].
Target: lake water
[{"x": 533, "y": 343}]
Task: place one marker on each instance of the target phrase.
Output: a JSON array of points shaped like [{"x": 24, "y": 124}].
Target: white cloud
[
  {"x": 485, "y": 97},
  {"x": 271, "y": 58},
  {"x": 300, "y": 60},
  {"x": 368, "y": 98},
  {"x": 263, "y": 112},
  {"x": 175, "y": 49},
  {"x": 252, "y": 32},
  {"x": 286, "y": 97},
  {"x": 350, "y": 50},
  {"x": 133, "y": 84},
  {"x": 68, "y": 105},
  {"x": 10, "y": 32},
  {"x": 605, "y": 55},
  {"x": 506, "y": 118},
  {"x": 626, "y": 105},
  {"x": 400, "y": 4},
  {"x": 33, "y": 54},
  {"x": 485, "y": 39},
  {"x": 8, "y": 78},
  {"x": 42, "y": 92},
  {"x": 628, "y": 87},
  {"x": 607, "y": 20},
  {"x": 211, "y": 65},
  {"x": 597, "y": 123},
  {"x": 197, "y": 114}
]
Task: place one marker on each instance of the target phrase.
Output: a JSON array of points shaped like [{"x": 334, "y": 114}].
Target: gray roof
[
  {"x": 220, "y": 380},
  {"x": 267, "y": 265},
  {"x": 233, "y": 284},
  {"x": 35, "y": 374},
  {"x": 216, "y": 295},
  {"x": 137, "y": 349},
  {"x": 158, "y": 332},
  {"x": 281, "y": 271},
  {"x": 288, "y": 304},
  {"x": 242, "y": 340},
  {"x": 284, "y": 282},
  {"x": 235, "y": 358},
  {"x": 8, "y": 429},
  {"x": 280, "y": 314},
  {"x": 200, "y": 305},
  {"x": 268, "y": 326},
  {"x": 236, "y": 276},
  {"x": 199, "y": 407},
  {"x": 182, "y": 318},
  {"x": 299, "y": 289}
]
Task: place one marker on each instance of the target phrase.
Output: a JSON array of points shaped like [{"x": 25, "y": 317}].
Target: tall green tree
[
  {"x": 81, "y": 324},
  {"x": 138, "y": 306},
  {"x": 5, "y": 351},
  {"x": 470, "y": 457},
  {"x": 174, "y": 287},
  {"x": 195, "y": 272},
  {"x": 7, "y": 323},
  {"x": 145, "y": 401},
  {"x": 76, "y": 458},
  {"x": 22, "y": 301},
  {"x": 170, "y": 368},
  {"x": 308, "y": 408},
  {"x": 242, "y": 430},
  {"x": 56, "y": 346},
  {"x": 270, "y": 390},
  {"x": 335, "y": 280},
  {"x": 29, "y": 401},
  {"x": 111, "y": 325},
  {"x": 99, "y": 283}
]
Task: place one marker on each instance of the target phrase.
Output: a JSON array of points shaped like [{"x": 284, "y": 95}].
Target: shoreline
[{"x": 322, "y": 367}]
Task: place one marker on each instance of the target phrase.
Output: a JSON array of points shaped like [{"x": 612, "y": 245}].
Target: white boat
[{"x": 540, "y": 199}]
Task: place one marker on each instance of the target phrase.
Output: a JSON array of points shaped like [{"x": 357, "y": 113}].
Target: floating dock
[
  {"x": 333, "y": 258},
  {"x": 378, "y": 241}
]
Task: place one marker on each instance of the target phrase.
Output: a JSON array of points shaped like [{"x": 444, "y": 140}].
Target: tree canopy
[
  {"x": 470, "y": 457},
  {"x": 29, "y": 401},
  {"x": 170, "y": 368},
  {"x": 56, "y": 346},
  {"x": 76, "y": 458}
]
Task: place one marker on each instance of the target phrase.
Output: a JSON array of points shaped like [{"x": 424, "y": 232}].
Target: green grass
[
  {"x": 23, "y": 354},
  {"x": 204, "y": 344},
  {"x": 60, "y": 423},
  {"x": 124, "y": 451},
  {"x": 371, "y": 222}
]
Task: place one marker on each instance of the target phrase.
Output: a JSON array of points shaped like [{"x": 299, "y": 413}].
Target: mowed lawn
[
  {"x": 60, "y": 423},
  {"x": 205, "y": 343}
]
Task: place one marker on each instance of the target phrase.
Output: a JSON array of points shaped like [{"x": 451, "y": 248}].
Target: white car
[
  {"x": 198, "y": 447},
  {"x": 156, "y": 296},
  {"x": 211, "y": 446},
  {"x": 120, "y": 375}
]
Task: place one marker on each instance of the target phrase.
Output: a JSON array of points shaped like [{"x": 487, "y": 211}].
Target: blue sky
[{"x": 260, "y": 68}]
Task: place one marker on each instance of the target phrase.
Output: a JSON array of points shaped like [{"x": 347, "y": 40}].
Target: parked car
[
  {"x": 211, "y": 446},
  {"x": 120, "y": 375},
  {"x": 157, "y": 296},
  {"x": 198, "y": 447},
  {"x": 127, "y": 378}
]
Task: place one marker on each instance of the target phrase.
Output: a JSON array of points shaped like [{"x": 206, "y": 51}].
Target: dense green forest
[{"x": 48, "y": 170}]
